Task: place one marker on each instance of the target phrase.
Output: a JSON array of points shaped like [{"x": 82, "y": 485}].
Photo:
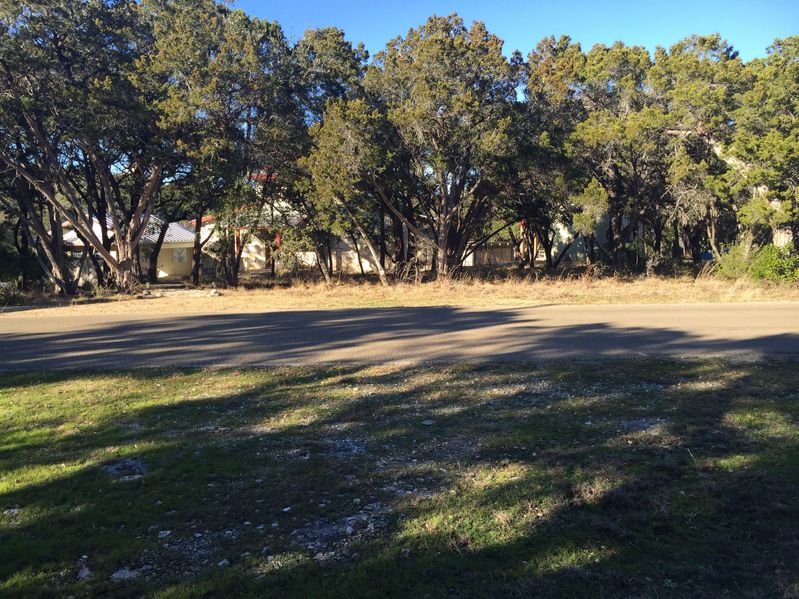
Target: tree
[
  {"x": 37, "y": 232},
  {"x": 346, "y": 164},
  {"x": 446, "y": 90},
  {"x": 75, "y": 124},
  {"x": 697, "y": 83},
  {"x": 173, "y": 204},
  {"x": 538, "y": 177},
  {"x": 235, "y": 97},
  {"x": 326, "y": 68},
  {"x": 621, "y": 143},
  {"x": 767, "y": 128}
]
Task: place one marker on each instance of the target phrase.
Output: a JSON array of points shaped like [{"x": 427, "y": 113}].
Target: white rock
[
  {"x": 164, "y": 534},
  {"x": 124, "y": 574},
  {"x": 427, "y": 422},
  {"x": 224, "y": 563}
]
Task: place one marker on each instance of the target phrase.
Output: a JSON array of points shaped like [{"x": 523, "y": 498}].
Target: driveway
[{"x": 410, "y": 335}]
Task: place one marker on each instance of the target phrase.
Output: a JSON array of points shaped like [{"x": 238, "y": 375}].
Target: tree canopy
[{"x": 111, "y": 111}]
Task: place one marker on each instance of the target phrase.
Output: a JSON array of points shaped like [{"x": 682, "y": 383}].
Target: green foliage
[
  {"x": 700, "y": 77},
  {"x": 329, "y": 67},
  {"x": 10, "y": 295},
  {"x": 735, "y": 261},
  {"x": 772, "y": 263},
  {"x": 769, "y": 263},
  {"x": 439, "y": 143},
  {"x": 767, "y": 128},
  {"x": 346, "y": 159},
  {"x": 760, "y": 212},
  {"x": 593, "y": 204}
]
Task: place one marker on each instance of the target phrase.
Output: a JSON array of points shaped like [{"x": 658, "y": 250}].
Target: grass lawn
[{"x": 650, "y": 478}]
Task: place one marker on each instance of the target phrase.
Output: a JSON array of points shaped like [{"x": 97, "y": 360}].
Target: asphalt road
[{"x": 438, "y": 334}]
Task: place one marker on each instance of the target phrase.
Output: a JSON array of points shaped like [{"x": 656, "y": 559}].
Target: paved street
[{"x": 546, "y": 333}]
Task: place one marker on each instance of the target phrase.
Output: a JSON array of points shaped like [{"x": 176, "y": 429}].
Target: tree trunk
[
  {"x": 272, "y": 266},
  {"x": 382, "y": 237},
  {"x": 322, "y": 263},
  {"x": 47, "y": 243},
  {"x": 547, "y": 243},
  {"x": 239, "y": 247},
  {"x": 357, "y": 252},
  {"x": 197, "y": 248},
  {"x": 676, "y": 250},
  {"x": 24, "y": 254},
  {"x": 711, "y": 238},
  {"x": 124, "y": 273},
  {"x": 442, "y": 258},
  {"x": 405, "y": 243},
  {"x": 100, "y": 268},
  {"x": 563, "y": 252},
  {"x": 381, "y": 272},
  {"x": 152, "y": 269},
  {"x": 795, "y": 236}
]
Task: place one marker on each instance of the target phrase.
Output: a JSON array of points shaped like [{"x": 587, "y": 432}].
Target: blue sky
[{"x": 750, "y": 26}]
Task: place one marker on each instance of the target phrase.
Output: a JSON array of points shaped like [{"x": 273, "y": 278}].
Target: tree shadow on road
[{"x": 411, "y": 335}]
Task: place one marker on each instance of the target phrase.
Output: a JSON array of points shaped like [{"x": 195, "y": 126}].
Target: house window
[{"x": 180, "y": 255}]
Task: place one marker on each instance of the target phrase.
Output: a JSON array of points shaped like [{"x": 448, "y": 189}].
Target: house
[
  {"x": 257, "y": 252},
  {"x": 174, "y": 258}
]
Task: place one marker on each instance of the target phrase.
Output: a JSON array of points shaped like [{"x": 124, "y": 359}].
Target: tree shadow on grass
[{"x": 647, "y": 479}]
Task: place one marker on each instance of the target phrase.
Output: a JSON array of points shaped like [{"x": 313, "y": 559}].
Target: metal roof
[{"x": 176, "y": 233}]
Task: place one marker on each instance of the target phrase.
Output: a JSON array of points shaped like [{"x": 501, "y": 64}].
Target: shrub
[
  {"x": 10, "y": 295},
  {"x": 774, "y": 263},
  {"x": 88, "y": 288},
  {"x": 768, "y": 263},
  {"x": 735, "y": 262}
]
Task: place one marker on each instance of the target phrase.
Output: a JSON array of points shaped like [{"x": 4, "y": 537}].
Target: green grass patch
[{"x": 641, "y": 478}]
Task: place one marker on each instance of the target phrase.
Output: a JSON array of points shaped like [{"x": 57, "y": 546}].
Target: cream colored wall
[
  {"x": 345, "y": 258},
  {"x": 255, "y": 251},
  {"x": 168, "y": 268},
  {"x": 254, "y": 255},
  {"x": 783, "y": 237}
]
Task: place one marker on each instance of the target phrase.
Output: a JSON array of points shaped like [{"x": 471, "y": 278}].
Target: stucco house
[{"x": 174, "y": 258}]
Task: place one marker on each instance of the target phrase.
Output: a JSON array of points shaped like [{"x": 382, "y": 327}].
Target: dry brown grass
[{"x": 317, "y": 296}]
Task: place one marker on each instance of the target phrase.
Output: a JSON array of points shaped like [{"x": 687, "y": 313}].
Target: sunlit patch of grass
[
  {"x": 568, "y": 557},
  {"x": 735, "y": 462},
  {"x": 762, "y": 425}
]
